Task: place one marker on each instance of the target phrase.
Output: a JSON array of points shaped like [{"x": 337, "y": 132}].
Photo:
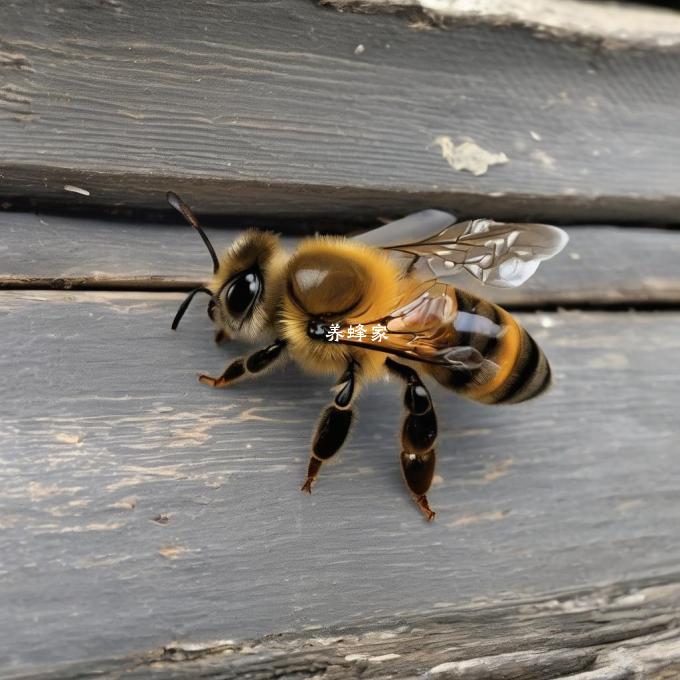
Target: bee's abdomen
[
  {"x": 515, "y": 369},
  {"x": 530, "y": 376}
]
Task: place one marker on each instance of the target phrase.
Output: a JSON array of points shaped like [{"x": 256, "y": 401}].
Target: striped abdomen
[{"x": 518, "y": 370}]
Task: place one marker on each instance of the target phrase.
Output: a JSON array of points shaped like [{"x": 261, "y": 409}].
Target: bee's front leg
[
  {"x": 247, "y": 366},
  {"x": 418, "y": 436},
  {"x": 334, "y": 424}
]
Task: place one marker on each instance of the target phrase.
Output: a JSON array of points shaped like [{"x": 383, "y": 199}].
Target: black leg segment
[
  {"x": 333, "y": 425},
  {"x": 242, "y": 367},
  {"x": 418, "y": 436}
]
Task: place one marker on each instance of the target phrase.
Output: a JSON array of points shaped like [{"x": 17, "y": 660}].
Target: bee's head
[{"x": 238, "y": 303}]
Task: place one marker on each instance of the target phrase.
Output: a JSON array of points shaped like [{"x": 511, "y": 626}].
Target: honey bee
[{"x": 358, "y": 308}]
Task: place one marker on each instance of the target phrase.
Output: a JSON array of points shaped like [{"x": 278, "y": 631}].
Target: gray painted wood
[
  {"x": 139, "y": 507},
  {"x": 270, "y": 108},
  {"x": 609, "y": 633},
  {"x": 601, "y": 266}
]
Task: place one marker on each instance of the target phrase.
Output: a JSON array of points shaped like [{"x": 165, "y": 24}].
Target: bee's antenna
[
  {"x": 185, "y": 304},
  {"x": 178, "y": 204}
]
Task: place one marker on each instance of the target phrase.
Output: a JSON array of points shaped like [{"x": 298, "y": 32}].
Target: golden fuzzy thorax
[
  {"x": 365, "y": 288},
  {"x": 363, "y": 283}
]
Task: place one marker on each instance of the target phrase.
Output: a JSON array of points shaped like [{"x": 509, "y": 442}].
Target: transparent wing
[
  {"x": 420, "y": 329},
  {"x": 415, "y": 227},
  {"x": 497, "y": 253}
]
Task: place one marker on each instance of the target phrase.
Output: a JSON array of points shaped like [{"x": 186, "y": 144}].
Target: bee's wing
[
  {"x": 421, "y": 329},
  {"x": 415, "y": 227},
  {"x": 497, "y": 253}
]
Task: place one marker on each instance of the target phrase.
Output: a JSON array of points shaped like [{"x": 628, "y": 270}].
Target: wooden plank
[
  {"x": 601, "y": 266},
  {"x": 609, "y": 633},
  {"x": 262, "y": 108},
  {"x": 139, "y": 507},
  {"x": 615, "y": 25}
]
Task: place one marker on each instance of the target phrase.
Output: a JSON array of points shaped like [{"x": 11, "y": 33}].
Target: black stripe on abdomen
[
  {"x": 483, "y": 343},
  {"x": 530, "y": 377}
]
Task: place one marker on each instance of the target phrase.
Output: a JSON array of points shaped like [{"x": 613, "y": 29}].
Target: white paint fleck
[
  {"x": 76, "y": 190},
  {"x": 547, "y": 322},
  {"x": 535, "y": 136},
  {"x": 468, "y": 156},
  {"x": 359, "y": 49},
  {"x": 631, "y": 600},
  {"x": 623, "y": 25},
  {"x": 574, "y": 256},
  {"x": 127, "y": 503},
  {"x": 92, "y": 526},
  {"x": 444, "y": 667},
  {"x": 476, "y": 519},
  {"x": 384, "y": 657},
  {"x": 543, "y": 158},
  {"x": 67, "y": 438},
  {"x": 172, "y": 552},
  {"x": 497, "y": 470}
]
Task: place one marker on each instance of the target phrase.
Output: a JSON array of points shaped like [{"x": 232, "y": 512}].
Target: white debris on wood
[
  {"x": 384, "y": 657},
  {"x": 613, "y": 24},
  {"x": 468, "y": 155},
  {"x": 359, "y": 49},
  {"x": 540, "y": 156},
  {"x": 76, "y": 190}
]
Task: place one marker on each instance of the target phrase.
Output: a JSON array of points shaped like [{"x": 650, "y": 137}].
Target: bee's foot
[
  {"x": 222, "y": 336},
  {"x": 307, "y": 486},
  {"x": 209, "y": 380},
  {"x": 425, "y": 507}
]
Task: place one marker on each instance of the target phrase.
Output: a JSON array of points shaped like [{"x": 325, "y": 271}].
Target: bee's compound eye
[
  {"x": 211, "y": 309},
  {"x": 317, "y": 330},
  {"x": 242, "y": 292}
]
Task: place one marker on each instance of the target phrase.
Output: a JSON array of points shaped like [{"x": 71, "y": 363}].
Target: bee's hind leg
[
  {"x": 333, "y": 425},
  {"x": 418, "y": 436},
  {"x": 247, "y": 366}
]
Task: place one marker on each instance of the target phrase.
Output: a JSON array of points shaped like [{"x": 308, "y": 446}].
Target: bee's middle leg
[
  {"x": 247, "y": 366},
  {"x": 418, "y": 436},
  {"x": 333, "y": 425}
]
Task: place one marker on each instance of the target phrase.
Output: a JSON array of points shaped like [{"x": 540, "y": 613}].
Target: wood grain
[
  {"x": 602, "y": 266},
  {"x": 139, "y": 507},
  {"x": 610, "y": 633},
  {"x": 270, "y": 107},
  {"x": 613, "y": 25}
]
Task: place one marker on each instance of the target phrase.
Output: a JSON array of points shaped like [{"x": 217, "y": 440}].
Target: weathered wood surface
[
  {"x": 289, "y": 108},
  {"x": 612, "y": 24},
  {"x": 139, "y": 507},
  {"x": 617, "y": 632},
  {"x": 601, "y": 266}
]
